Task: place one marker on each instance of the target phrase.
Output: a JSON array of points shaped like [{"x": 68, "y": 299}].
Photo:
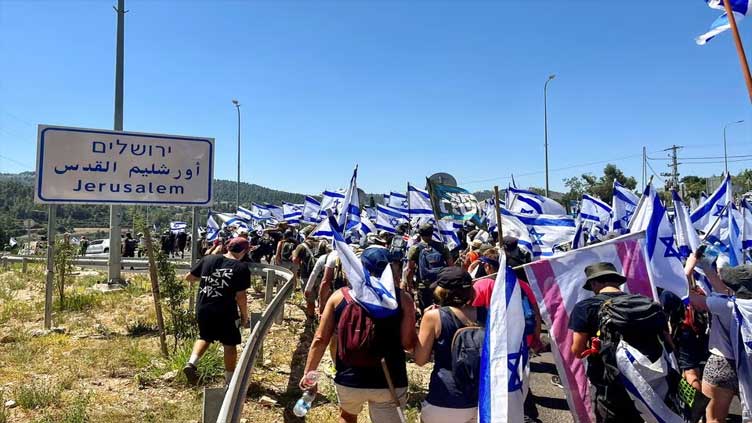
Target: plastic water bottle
[
  {"x": 712, "y": 251},
  {"x": 304, "y": 403}
]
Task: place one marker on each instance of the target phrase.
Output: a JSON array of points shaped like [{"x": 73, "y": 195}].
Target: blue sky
[{"x": 404, "y": 88}]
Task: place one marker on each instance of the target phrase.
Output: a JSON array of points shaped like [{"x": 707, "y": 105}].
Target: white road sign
[{"x": 76, "y": 165}]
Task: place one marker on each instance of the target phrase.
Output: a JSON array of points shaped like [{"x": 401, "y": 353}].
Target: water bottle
[{"x": 304, "y": 403}]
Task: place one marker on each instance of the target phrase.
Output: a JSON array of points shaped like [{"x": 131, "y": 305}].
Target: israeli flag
[
  {"x": 322, "y": 230},
  {"x": 731, "y": 237},
  {"x": 597, "y": 213},
  {"x": 741, "y": 342},
  {"x": 292, "y": 213},
  {"x": 740, "y": 9},
  {"x": 546, "y": 232},
  {"x": 331, "y": 200},
  {"x": 311, "y": 210},
  {"x": 623, "y": 204},
  {"x": 386, "y": 199},
  {"x": 178, "y": 226},
  {"x": 276, "y": 211},
  {"x": 686, "y": 235},
  {"x": 212, "y": 228},
  {"x": 244, "y": 213},
  {"x": 377, "y": 296},
  {"x": 746, "y": 207},
  {"x": 366, "y": 225},
  {"x": 447, "y": 230},
  {"x": 646, "y": 382},
  {"x": 504, "y": 366},
  {"x": 370, "y": 212},
  {"x": 349, "y": 217},
  {"x": 419, "y": 203},
  {"x": 664, "y": 265},
  {"x": 260, "y": 212},
  {"x": 388, "y": 218},
  {"x": 528, "y": 202},
  {"x": 580, "y": 236},
  {"x": 398, "y": 201},
  {"x": 710, "y": 210}
]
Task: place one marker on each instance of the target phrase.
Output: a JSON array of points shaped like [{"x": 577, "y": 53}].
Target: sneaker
[{"x": 191, "y": 374}]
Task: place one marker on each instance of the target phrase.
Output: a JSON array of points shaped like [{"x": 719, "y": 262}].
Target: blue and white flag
[
  {"x": 370, "y": 212},
  {"x": 580, "y": 236},
  {"x": 331, "y": 200},
  {"x": 731, "y": 235},
  {"x": 366, "y": 225},
  {"x": 710, "y": 210},
  {"x": 623, "y": 204},
  {"x": 419, "y": 202},
  {"x": 212, "y": 228},
  {"x": 178, "y": 226},
  {"x": 398, "y": 201},
  {"x": 597, "y": 214},
  {"x": 647, "y": 383},
  {"x": 244, "y": 213},
  {"x": 546, "y": 232},
  {"x": 386, "y": 199},
  {"x": 447, "y": 230},
  {"x": 311, "y": 210},
  {"x": 740, "y": 8},
  {"x": 388, "y": 218},
  {"x": 276, "y": 211},
  {"x": 686, "y": 235},
  {"x": 377, "y": 295},
  {"x": 260, "y": 212},
  {"x": 322, "y": 230},
  {"x": 504, "y": 366},
  {"x": 528, "y": 202},
  {"x": 512, "y": 226},
  {"x": 747, "y": 226},
  {"x": 292, "y": 213},
  {"x": 665, "y": 267},
  {"x": 349, "y": 216},
  {"x": 741, "y": 342}
]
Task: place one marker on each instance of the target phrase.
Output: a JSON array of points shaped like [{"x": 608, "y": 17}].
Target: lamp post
[
  {"x": 237, "y": 187},
  {"x": 725, "y": 155},
  {"x": 545, "y": 123}
]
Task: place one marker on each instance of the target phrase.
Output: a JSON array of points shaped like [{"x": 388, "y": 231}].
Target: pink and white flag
[{"x": 557, "y": 283}]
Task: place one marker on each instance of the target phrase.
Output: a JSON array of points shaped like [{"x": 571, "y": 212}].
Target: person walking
[
  {"x": 448, "y": 400},
  {"x": 222, "y": 293},
  {"x": 424, "y": 261},
  {"x": 360, "y": 378}
]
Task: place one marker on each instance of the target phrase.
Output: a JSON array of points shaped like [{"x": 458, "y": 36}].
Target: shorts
[
  {"x": 381, "y": 407},
  {"x": 218, "y": 328},
  {"x": 430, "y": 413},
  {"x": 692, "y": 349},
  {"x": 721, "y": 372}
]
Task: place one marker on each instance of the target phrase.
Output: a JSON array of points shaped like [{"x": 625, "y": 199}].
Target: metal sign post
[{"x": 50, "y": 283}]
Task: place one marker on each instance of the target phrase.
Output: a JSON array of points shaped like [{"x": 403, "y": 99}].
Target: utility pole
[
  {"x": 545, "y": 123},
  {"x": 644, "y": 167},
  {"x": 674, "y": 166},
  {"x": 114, "y": 277}
]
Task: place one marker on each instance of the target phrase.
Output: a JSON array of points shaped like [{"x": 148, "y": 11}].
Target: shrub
[
  {"x": 210, "y": 367},
  {"x": 141, "y": 327},
  {"x": 79, "y": 301},
  {"x": 37, "y": 394}
]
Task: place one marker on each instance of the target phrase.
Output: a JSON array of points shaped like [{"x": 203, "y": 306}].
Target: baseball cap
[
  {"x": 375, "y": 260},
  {"x": 425, "y": 229},
  {"x": 238, "y": 244},
  {"x": 453, "y": 277}
]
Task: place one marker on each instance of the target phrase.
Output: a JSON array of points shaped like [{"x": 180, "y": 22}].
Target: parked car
[{"x": 98, "y": 246}]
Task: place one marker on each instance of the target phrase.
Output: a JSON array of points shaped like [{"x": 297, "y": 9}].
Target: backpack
[
  {"x": 307, "y": 262},
  {"x": 467, "y": 344},
  {"x": 287, "y": 248},
  {"x": 629, "y": 317},
  {"x": 527, "y": 310},
  {"x": 430, "y": 262},
  {"x": 356, "y": 335},
  {"x": 397, "y": 248}
]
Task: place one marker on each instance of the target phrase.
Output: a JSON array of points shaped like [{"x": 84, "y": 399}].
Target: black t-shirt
[{"x": 221, "y": 278}]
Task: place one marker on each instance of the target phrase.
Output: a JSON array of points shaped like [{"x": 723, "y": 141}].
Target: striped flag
[
  {"x": 311, "y": 210},
  {"x": 528, "y": 202},
  {"x": 504, "y": 366},
  {"x": 740, "y": 9},
  {"x": 419, "y": 205},
  {"x": 388, "y": 218},
  {"x": 686, "y": 235},
  {"x": 557, "y": 283},
  {"x": 292, "y": 213}
]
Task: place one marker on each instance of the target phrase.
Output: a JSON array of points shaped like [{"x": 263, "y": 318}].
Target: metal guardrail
[
  {"x": 234, "y": 400},
  {"x": 91, "y": 261}
]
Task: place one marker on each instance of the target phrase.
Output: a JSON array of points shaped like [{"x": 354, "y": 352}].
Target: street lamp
[
  {"x": 237, "y": 187},
  {"x": 545, "y": 123},
  {"x": 725, "y": 155}
]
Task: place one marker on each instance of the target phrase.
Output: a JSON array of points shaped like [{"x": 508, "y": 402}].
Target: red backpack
[{"x": 356, "y": 335}]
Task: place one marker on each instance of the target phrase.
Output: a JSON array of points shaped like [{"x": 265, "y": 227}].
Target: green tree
[
  {"x": 600, "y": 187},
  {"x": 693, "y": 186}
]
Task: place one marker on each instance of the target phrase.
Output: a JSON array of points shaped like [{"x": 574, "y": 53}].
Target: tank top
[
  {"x": 442, "y": 389},
  {"x": 388, "y": 335}
]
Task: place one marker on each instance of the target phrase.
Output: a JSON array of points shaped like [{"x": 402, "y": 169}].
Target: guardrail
[
  {"x": 284, "y": 280},
  {"x": 86, "y": 261}
]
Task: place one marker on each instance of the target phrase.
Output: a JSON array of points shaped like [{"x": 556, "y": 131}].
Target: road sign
[
  {"x": 76, "y": 165},
  {"x": 29, "y": 223}
]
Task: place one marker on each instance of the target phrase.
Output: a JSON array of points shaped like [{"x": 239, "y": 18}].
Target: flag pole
[
  {"x": 739, "y": 47},
  {"x": 497, "y": 209}
]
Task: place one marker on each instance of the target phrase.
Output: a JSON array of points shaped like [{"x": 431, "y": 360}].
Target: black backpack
[
  {"x": 287, "y": 248},
  {"x": 467, "y": 346},
  {"x": 636, "y": 319},
  {"x": 430, "y": 263}
]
